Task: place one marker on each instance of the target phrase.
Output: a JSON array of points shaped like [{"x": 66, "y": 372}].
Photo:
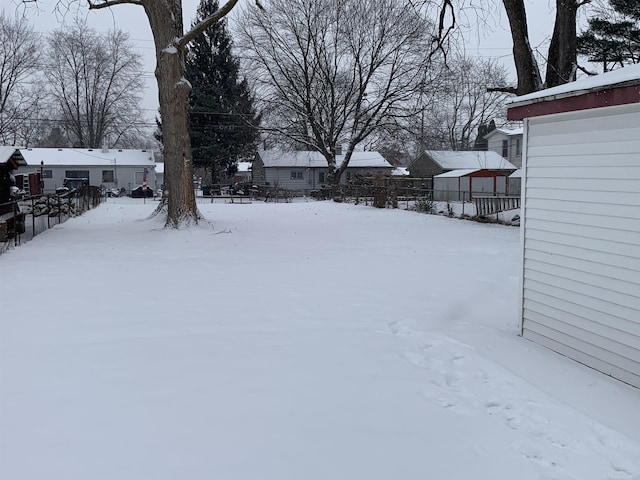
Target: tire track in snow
[{"x": 464, "y": 382}]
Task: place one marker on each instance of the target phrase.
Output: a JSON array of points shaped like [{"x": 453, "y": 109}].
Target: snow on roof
[
  {"x": 516, "y": 174},
  {"x": 506, "y": 131},
  {"x": 455, "y": 160},
  {"x": 628, "y": 75},
  {"x": 300, "y": 159},
  {"x": 159, "y": 167},
  {"x": 457, "y": 173},
  {"x": 400, "y": 172},
  {"x": 244, "y": 166},
  {"x": 6, "y": 152},
  {"x": 87, "y": 157}
]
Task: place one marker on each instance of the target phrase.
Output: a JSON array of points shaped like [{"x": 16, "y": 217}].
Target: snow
[
  {"x": 307, "y": 340},
  {"x": 171, "y": 49},
  {"x": 185, "y": 82},
  {"x": 629, "y": 74},
  {"x": 87, "y": 156},
  {"x": 449, "y": 159},
  {"x": 306, "y": 159},
  {"x": 457, "y": 173}
]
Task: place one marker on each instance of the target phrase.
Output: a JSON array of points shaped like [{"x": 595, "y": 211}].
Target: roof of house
[
  {"x": 305, "y": 159},
  {"x": 516, "y": 174},
  {"x": 9, "y": 152},
  {"x": 627, "y": 75},
  {"x": 457, "y": 173},
  {"x": 87, "y": 157},
  {"x": 619, "y": 87},
  {"x": 400, "y": 172},
  {"x": 455, "y": 160},
  {"x": 244, "y": 166},
  {"x": 159, "y": 167},
  {"x": 505, "y": 131}
]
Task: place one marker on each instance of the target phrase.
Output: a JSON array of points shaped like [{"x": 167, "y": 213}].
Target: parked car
[
  {"x": 139, "y": 192},
  {"x": 113, "y": 192}
]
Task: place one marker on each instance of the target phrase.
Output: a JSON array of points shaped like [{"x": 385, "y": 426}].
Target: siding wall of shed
[{"x": 581, "y": 230}]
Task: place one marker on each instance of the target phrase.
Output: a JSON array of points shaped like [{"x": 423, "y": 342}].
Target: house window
[
  {"x": 297, "y": 175},
  {"x": 47, "y": 174},
  {"x": 505, "y": 148},
  {"x": 322, "y": 177},
  {"x": 76, "y": 173},
  {"x": 107, "y": 176},
  {"x": 518, "y": 147}
]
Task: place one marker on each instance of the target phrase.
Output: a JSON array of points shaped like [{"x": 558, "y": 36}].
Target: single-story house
[
  {"x": 434, "y": 162},
  {"x": 580, "y": 289},
  {"x": 463, "y": 185},
  {"x": 303, "y": 170},
  {"x": 507, "y": 142},
  {"x": 115, "y": 168}
]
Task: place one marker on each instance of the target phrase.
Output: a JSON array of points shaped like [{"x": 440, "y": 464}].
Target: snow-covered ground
[{"x": 307, "y": 340}]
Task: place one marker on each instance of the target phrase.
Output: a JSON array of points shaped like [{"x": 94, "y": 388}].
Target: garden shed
[
  {"x": 464, "y": 184},
  {"x": 580, "y": 293}
]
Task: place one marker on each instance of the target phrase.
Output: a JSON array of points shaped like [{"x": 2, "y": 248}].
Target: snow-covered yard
[{"x": 307, "y": 340}]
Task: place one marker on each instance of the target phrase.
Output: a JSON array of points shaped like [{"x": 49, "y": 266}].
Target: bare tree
[
  {"x": 561, "y": 59},
  {"x": 170, "y": 40},
  {"x": 332, "y": 73},
  {"x": 562, "y": 54},
  {"x": 95, "y": 82},
  {"x": 460, "y": 103},
  {"x": 20, "y": 94}
]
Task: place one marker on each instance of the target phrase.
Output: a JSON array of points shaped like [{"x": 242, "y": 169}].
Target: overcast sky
[{"x": 490, "y": 40}]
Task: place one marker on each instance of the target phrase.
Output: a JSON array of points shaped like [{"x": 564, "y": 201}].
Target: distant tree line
[{"x": 73, "y": 88}]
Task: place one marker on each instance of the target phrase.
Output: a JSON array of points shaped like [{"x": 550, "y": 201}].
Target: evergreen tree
[
  {"x": 613, "y": 36},
  {"x": 222, "y": 119}
]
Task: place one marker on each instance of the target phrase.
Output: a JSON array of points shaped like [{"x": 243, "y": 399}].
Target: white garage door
[{"x": 581, "y": 275}]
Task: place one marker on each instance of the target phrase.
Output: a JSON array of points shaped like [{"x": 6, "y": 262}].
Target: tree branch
[
  {"x": 513, "y": 90},
  {"x": 111, "y": 3},
  {"x": 203, "y": 25}
]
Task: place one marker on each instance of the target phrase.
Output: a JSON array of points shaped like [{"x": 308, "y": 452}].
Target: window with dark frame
[
  {"x": 518, "y": 147},
  {"x": 505, "y": 148},
  {"x": 297, "y": 175},
  {"x": 47, "y": 174},
  {"x": 108, "y": 176},
  {"x": 321, "y": 177}
]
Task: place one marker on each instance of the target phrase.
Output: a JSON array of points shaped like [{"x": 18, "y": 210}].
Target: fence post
[{"x": 33, "y": 217}]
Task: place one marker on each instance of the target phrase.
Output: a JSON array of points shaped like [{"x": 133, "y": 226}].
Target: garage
[{"x": 580, "y": 221}]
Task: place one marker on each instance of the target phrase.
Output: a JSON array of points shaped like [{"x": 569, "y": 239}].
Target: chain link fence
[{"x": 28, "y": 217}]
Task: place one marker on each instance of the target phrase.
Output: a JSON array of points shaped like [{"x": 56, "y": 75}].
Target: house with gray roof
[
  {"x": 106, "y": 168},
  {"x": 435, "y": 162},
  {"x": 306, "y": 171}
]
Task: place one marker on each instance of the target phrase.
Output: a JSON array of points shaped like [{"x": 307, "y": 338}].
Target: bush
[{"x": 425, "y": 205}]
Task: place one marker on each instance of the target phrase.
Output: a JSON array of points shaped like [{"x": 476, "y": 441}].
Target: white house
[
  {"x": 580, "y": 291},
  {"x": 506, "y": 142},
  {"x": 119, "y": 168},
  {"x": 303, "y": 170}
]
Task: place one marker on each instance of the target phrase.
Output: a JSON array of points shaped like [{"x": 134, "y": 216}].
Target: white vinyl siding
[{"x": 581, "y": 230}]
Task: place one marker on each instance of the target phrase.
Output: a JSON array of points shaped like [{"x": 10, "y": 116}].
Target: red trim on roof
[{"x": 607, "y": 97}]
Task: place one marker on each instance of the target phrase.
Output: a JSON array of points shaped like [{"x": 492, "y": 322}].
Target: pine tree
[
  {"x": 613, "y": 36},
  {"x": 222, "y": 119}
]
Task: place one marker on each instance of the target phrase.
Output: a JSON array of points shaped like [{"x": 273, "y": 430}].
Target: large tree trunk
[
  {"x": 562, "y": 59},
  {"x": 529, "y": 79},
  {"x": 165, "y": 19}
]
